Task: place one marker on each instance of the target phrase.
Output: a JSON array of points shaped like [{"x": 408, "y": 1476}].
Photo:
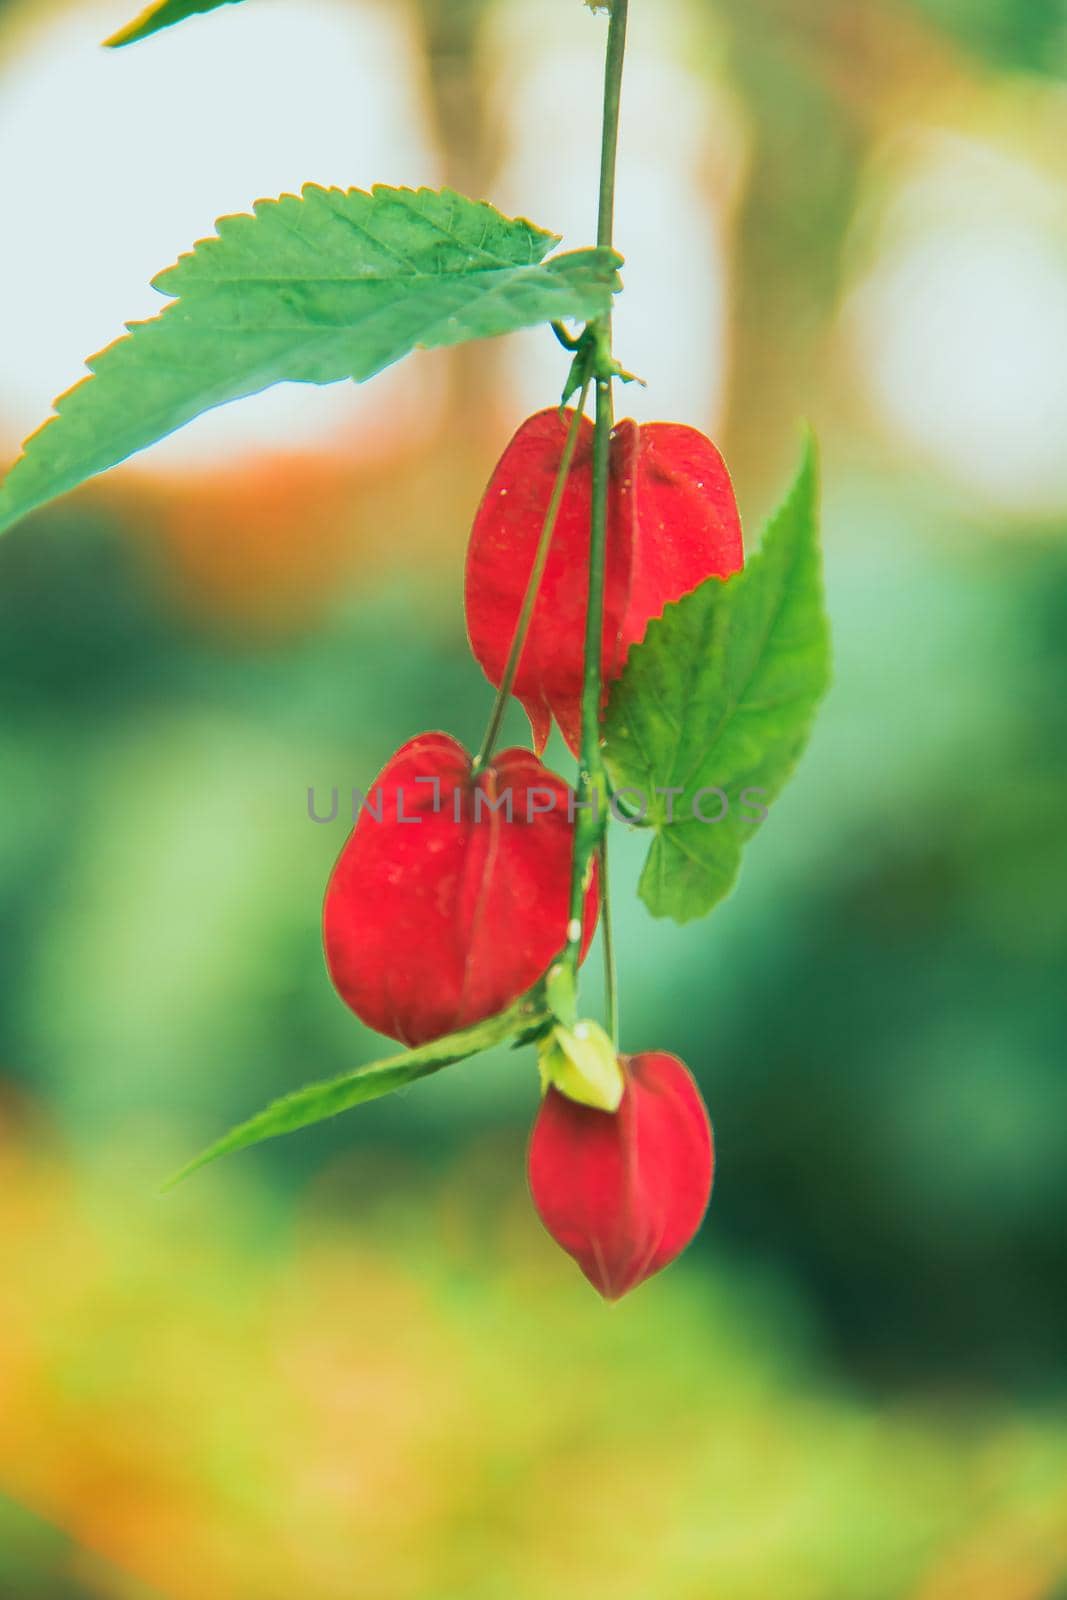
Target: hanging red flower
[
  {"x": 624, "y": 1192},
  {"x": 672, "y": 523},
  {"x": 450, "y": 898}
]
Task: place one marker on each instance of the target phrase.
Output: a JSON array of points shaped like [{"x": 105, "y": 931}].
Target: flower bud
[
  {"x": 624, "y": 1192},
  {"x": 582, "y": 1064}
]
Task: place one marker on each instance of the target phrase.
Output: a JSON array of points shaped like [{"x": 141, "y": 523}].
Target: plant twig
[
  {"x": 611, "y": 986},
  {"x": 591, "y": 806}
]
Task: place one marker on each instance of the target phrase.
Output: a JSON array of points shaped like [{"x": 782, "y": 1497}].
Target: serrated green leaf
[
  {"x": 721, "y": 695},
  {"x": 330, "y": 285},
  {"x": 320, "y": 1101},
  {"x": 163, "y": 14}
]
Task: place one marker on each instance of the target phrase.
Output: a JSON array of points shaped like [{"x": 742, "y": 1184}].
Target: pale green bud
[{"x": 583, "y": 1064}]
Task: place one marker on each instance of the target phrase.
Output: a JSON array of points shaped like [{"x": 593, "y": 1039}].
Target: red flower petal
[
  {"x": 444, "y": 911},
  {"x": 672, "y": 522},
  {"x": 624, "y": 1193},
  {"x": 501, "y": 552}
]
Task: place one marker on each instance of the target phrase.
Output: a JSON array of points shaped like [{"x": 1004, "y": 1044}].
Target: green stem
[
  {"x": 609, "y": 145},
  {"x": 591, "y": 808},
  {"x": 544, "y": 544},
  {"x": 611, "y": 987}
]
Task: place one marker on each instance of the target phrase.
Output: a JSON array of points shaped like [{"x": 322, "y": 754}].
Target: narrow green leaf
[
  {"x": 319, "y": 1101},
  {"x": 162, "y": 14},
  {"x": 331, "y": 285},
  {"x": 720, "y": 696}
]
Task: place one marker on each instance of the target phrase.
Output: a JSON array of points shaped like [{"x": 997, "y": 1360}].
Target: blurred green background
[{"x": 350, "y": 1365}]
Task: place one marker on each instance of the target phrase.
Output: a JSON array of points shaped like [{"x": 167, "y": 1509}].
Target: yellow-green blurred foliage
[{"x": 409, "y": 1393}]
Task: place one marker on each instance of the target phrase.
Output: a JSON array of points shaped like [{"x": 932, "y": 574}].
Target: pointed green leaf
[
  {"x": 717, "y": 703},
  {"x": 319, "y": 1101},
  {"x": 163, "y": 14},
  {"x": 331, "y": 285}
]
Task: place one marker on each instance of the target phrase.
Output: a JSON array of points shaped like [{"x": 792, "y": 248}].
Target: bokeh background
[{"x": 349, "y": 1365}]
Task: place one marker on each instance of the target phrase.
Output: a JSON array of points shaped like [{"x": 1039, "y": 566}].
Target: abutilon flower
[
  {"x": 624, "y": 1192},
  {"x": 672, "y": 523},
  {"x": 451, "y": 895}
]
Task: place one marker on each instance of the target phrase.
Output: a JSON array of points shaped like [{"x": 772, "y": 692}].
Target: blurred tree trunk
[
  {"x": 805, "y": 160},
  {"x": 450, "y": 31},
  {"x": 459, "y": 104},
  {"x": 823, "y": 79}
]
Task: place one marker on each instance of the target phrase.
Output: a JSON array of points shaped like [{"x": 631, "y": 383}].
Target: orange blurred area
[{"x": 270, "y": 543}]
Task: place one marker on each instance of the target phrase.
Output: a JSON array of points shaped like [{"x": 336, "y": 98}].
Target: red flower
[
  {"x": 625, "y": 1192},
  {"x": 672, "y": 522},
  {"x": 441, "y": 911}
]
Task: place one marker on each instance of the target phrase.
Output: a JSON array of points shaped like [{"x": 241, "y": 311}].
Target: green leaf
[
  {"x": 163, "y": 14},
  {"x": 721, "y": 695},
  {"x": 316, "y": 289},
  {"x": 319, "y": 1101}
]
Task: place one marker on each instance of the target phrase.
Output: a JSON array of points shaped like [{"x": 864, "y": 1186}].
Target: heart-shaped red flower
[
  {"x": 451, "y": 896},
  {"x": 672, "y": 522},
  {"x": 624, "y": 1192}
]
